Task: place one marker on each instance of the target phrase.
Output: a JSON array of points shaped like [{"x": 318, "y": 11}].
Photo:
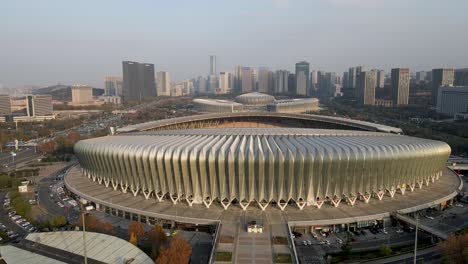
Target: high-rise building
[
  {"x": 202, "y": 86},
  {"x": 39, "y": 105},
  {"x": 313, "y": 80},
  {"x": 113, "y": 86},
  {"x": 365, "y": 90},
  {"x": 82, "y": 94},
  {"x": 281, "y": 81},
  {"x": 351, "y": 78},
  {"x": 213, "y": 65},
  {"x": 452, "y": 99},
  {"x": 400, "y": 86},
  {"x": 345, "y": 80},
  {"x": 421, "y": 76},
  {"x": 163, "y": 83},
  {"x": 213, "y": 83},
  {"x": 302, "y": 78},
  {"x": 177, "y": 89},
  {"x": 461, "y": 77},
  {"x": 292, "y": 83},
  {"x": 247, "y": 80},
  {"x": 380, "y": 79},
  {"x": 440, "y": 77},
  {"x": 5, "y": 105},
  {"x": 224, "y": 83},
  {"x": 138, "y": 80},
  {"x": 265, "y": 80}
]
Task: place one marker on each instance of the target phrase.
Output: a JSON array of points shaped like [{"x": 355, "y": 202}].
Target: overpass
[{"x": 428, "y": 229}]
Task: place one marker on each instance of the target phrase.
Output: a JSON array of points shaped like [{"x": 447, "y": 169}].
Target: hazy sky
[{"x": 45, "y": 42}]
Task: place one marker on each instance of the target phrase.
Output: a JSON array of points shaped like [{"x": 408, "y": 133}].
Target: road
[
  {"x": 4, "y": 219},
  {"x": 50, "y": 203}
]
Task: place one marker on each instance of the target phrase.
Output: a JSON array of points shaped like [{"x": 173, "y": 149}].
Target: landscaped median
[
  {"x": 283, "y": 258},
  {"x": 222, "y": 257}
]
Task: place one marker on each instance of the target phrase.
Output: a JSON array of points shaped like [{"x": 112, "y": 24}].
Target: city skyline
[{"x": 43, "y": 48}]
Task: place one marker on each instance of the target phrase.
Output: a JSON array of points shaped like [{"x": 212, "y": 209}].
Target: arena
[
  {"x": 302, "y": 172},
  {"x": 261, "y": 159}
]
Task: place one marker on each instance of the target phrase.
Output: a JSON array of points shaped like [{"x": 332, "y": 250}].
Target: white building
[{"x": 163, "y": 83}]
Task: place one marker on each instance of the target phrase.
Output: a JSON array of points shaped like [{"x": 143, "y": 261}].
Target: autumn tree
[
  {"x": 133, "y": 239},
  {"x": 178, "y": 252},
  {"x": 59, "y": 221},
  {"x": 454, "y": 249},
  {"x": 135, "y": 228},
  {"x": 47, "y": 147},
  {"x": 157, "y": 238}
]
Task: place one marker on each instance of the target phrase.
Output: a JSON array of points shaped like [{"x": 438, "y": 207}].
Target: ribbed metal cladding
[{"x": 261, "y": 165}]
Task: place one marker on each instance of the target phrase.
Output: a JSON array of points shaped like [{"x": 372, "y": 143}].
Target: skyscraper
[
  {"x": 163, "y": 83},
  {"x": 351, "y": 78},
  {"x": 213, "y": 65},
  {"x": 138, "y": 80},
  {"x": 265, "y": 80},
  {"x": 461, "y": 77},
  {"x": 247, "y": 80},
  {"x": 400, "y": 86},
  {"x": 302, "y": 78},
  {"x": 380, "y": 79},
  {"x": 213, "y": 83},
  {"x": 313, "y": 80},
  {"x": 440, "y": 77},
  {"x": 5, "y": 105},
  {"x": 202, "y": 86},
  {"x": 39, "y": 105},
  {"x": 281, "y": 81},
  {"x": 113, "y": 85},
  {"x": 365, "y": 90},
  {"x": 345, "y": 80}
]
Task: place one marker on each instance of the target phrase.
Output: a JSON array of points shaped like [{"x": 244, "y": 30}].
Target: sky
[{"x": 79, "y": 42}]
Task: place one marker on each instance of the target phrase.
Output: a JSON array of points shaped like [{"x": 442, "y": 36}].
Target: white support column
[
  {"x": 392, "y": 192},
  {"x": 351, "y": 200},
  {"x": 380, "y": 194},
  {"x": 366, "y": 197},
  {"x": 146, "y": 194},
  {"x": 174, "y": 199},
  {"x": 420, "y": 185},
  {"x": 282, "y": 205},
  {"x": 115, "y": 185},
  {"x": 403, "y": 189},
  {"x": 301, "y": 204},
  {"x": 427, "y": 181},
  {"x": 411, "y": 186},
  {"x": 159, "y": 197},
  {"x": 336, "y": 201},
  {"x": 244, "y": 204},
  {"x": 207, "y": 202},
  {"x": 99, "y": 179},
  {"x": 190, "y": 201},
  {"x": 106, "y": 182},
  {"x": 124, "y": 189},
  {"x": 263, "y": 204},
  {"x": 319, "y": 203},
  {"x": 134, "y": 191},
  {"x": 225, "y": 203}
]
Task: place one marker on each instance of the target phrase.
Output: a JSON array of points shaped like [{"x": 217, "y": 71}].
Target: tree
[
  {"x": 385, "y": 250},
  {"x": 133, "y": 239},
  {"x": 178, "y": 252},
  {"x": 135, "y": 228},
  {"x": 157, "y": 238},
  {"x": 454, "y": 249},
  {"x": 59, "y": 221},
  {"x": 47, "y": 147}
]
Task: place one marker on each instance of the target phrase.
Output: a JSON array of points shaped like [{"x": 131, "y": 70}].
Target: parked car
[{"x": 309, "y": 242}]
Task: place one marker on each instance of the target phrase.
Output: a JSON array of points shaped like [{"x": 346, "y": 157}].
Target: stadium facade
[{"x": 263, "y": 159}]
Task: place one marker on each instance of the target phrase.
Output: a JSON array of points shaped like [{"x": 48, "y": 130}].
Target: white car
[
  {"x": 309, "y": 242},
  {"x": 459, "y": 205},
  {"x": 429, "y": 217},
  {"x": 60, "y": 204}
]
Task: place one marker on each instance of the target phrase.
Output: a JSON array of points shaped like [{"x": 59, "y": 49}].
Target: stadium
[{"x": 260, "y": 160}]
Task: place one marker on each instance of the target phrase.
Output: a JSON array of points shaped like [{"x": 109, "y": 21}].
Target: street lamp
[
  {"x": 83, "y": 214},
  {"x": 416, "y": 239}
]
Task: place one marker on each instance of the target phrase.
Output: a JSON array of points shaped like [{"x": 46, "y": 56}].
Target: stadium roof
[
  {"x": 326, "y": 119},
  {"x": 67, "y": 247}
]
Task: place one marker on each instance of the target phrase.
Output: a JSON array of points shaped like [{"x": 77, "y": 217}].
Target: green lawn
[
  {"x": 223, "y": 256},
  {"x": 283, "y": 258}
]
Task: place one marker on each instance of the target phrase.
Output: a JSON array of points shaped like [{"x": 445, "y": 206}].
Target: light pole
[
  {"x": 416, "y": 239},
  {"x": 84, "y": 236}
]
